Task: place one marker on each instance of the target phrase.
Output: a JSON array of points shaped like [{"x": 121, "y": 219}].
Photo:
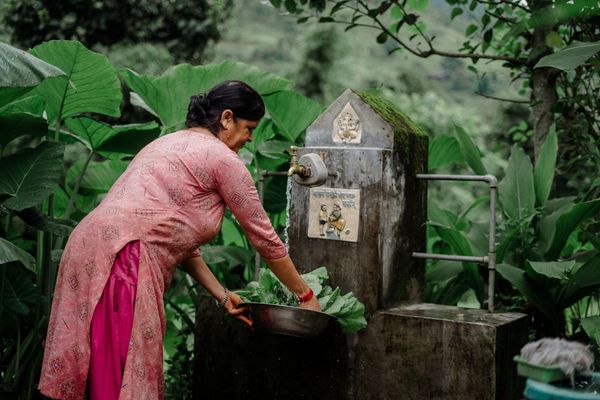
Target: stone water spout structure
[{"x": 376, "y": 214}]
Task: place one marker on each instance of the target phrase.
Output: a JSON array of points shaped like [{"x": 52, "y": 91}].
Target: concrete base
[{"x": 421, "y": 351}]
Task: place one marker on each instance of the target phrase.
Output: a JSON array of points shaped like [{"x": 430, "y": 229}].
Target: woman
[{"x": 107, "y": 320}]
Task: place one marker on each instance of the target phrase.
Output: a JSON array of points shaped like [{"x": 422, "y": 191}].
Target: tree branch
[{"x": 502, "y": 99}]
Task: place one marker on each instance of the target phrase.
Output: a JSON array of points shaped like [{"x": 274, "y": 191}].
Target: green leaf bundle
[{"x": 349, "y": 312}]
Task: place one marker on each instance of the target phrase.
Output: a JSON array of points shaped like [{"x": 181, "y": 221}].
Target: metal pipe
[
  {"x": 261, "y": 195},
  {"x": 490, "y": 259},
  {"x": 452, "y": 257}
]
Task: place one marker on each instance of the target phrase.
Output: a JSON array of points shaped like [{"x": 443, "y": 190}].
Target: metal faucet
[{"x": 296, "y": 168}]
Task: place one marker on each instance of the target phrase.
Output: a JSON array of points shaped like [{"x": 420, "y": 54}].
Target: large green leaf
[
  {"x": 13, "y": 125},
  {"x": 469, "y": 151},
  {"x": 169, "y": 95},
  {"x": 105, "y": 139},
  {"x": 10, "y": 253},
  {"x": 90, "y": 85},
  {"x": 570, "y": 57},
  {"x": 517, "y": 193},
  {"x": 129, "y": 139},
  {"x": 230, "y": 256},
  {"x": 444, "y": 149},
  {"x": 291, "y": 112},
  {"x": 582, "y": 282},
  {"x": 30, "y": 103},
  {"x": 99, "y": 176},
  {"x": 20, "y": 72},
  {"x": 591, "y": 326},
  {"x": 31, "y": 176},
  {"x": 527, "y": 287},
  {"x": 460, "y": 245},
  {"x": 275, "y": 193},
  {"x": 552, "y": 269},
  {"x": 544, "y": 168},
  {"x": 567, "y": 222}
]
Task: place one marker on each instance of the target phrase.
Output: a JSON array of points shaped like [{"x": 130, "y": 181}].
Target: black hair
[{"x": 205, "y": 110}]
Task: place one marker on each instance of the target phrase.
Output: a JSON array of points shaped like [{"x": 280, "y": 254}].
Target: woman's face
[{"x": 235, "y": 132}]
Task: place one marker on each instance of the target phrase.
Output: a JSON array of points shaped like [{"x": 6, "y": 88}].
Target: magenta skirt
[{"x": 111, "y": 325}]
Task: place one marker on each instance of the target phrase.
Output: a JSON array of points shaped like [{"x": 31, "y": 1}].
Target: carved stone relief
[
  {"x": 334, "y": 214},
  {"x": 346, "y": 126}
]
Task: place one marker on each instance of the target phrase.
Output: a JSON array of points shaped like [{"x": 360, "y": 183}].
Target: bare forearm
[
  {"x": 286, "y": 271},
  {"x": 198, "y": 270}
]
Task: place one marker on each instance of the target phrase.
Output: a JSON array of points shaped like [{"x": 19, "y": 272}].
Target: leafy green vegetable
[{"x": 349, "y": 312}]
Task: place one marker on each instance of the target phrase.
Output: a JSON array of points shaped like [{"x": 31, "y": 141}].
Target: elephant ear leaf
[
  {"x": 90, "y": 85},
  {"x": 21, "y": 72},
  {"x": 168, "y": 96},
  {"x": 11, "y": 253},
  {"x": 29, "y": 177}
]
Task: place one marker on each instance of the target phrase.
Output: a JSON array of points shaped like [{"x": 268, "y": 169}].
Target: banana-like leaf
[
  {"x": 520, "y": 281},
  {"x": 469, "y": 151},
  {"x": 566, "y": 222},
  {"x": 570, "y": 57},
  {"x": 517, "y": 193},
  {"x": 13, "y": 125},
  {"x": 168, "y": 96},
  {"x": 20, "y": 72},
  {"x": 31, "y": 176},
  {"x": 99, "y": 176},
  {"x": 291, "y": 112},
  {"x": 591, "y": 326},
  {"x": 552, "y": 269},
  {"x": 544, "y": 168},
  {"x": 585, "y": 280},
  {"x": 10, "y": 253},
  {"x": 460, "y": 245},
  {"x": 105, "y": 139},
  {"x": 90, "y": 85},
  {"x": 443, "y": 149}
]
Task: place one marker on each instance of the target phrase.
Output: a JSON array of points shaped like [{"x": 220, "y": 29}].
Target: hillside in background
[{"x": 258, "y": 34}]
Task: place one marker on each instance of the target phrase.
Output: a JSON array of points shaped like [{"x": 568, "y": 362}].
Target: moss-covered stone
[{"x": 403, "y": 126}]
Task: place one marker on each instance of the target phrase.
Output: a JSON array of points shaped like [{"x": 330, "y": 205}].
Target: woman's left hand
[{"x": 234, "y": 308}]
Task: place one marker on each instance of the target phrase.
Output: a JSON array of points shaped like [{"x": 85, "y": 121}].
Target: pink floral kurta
[{"x": 172, "y": 198}]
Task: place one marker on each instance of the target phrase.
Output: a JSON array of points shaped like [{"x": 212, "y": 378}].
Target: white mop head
[{"x": 573, "y": 358}]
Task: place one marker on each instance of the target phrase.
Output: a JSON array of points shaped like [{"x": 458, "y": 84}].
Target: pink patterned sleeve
[{"x": 236, "y": 186}]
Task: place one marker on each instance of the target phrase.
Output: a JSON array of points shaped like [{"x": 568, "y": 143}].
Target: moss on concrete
[
  {"x": 407, "y": 134},
  {"x": 403, "y": 126}
]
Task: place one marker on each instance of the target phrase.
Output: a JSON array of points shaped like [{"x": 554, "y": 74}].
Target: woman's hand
[
  {"x": 233, "y": 308},
  {"x": 311, "y": 304}
]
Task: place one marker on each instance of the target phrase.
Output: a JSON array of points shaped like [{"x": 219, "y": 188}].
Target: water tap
[
  {"x": 310, "y": 170},
  {"x": 296, "y": 168}
]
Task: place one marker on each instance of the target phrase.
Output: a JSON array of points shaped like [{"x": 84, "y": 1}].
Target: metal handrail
[{"x": 490, "y": 259}]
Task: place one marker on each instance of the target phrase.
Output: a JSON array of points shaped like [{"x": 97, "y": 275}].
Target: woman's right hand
[{"x": 311, "y": 304}]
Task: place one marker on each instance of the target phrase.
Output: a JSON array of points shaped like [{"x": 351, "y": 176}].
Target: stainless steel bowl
[{"x": 286, "y": 320}]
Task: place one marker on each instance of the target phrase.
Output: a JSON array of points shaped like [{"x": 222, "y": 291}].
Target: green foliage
[
  {"x": 20, "y": 72},
  {"x": 538, "y": 253},
  {"x": 346, "y": 308},
  {"x": 186, "y": 27},
  {"x": 30, "y": 176},
  {"x": 570, "y": 57},
  {"x": 168, "y": 95},
  {"x": 90, "y": 83}
]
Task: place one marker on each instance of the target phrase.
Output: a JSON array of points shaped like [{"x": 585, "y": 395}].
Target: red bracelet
[{"x": 306, "y": 296}]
